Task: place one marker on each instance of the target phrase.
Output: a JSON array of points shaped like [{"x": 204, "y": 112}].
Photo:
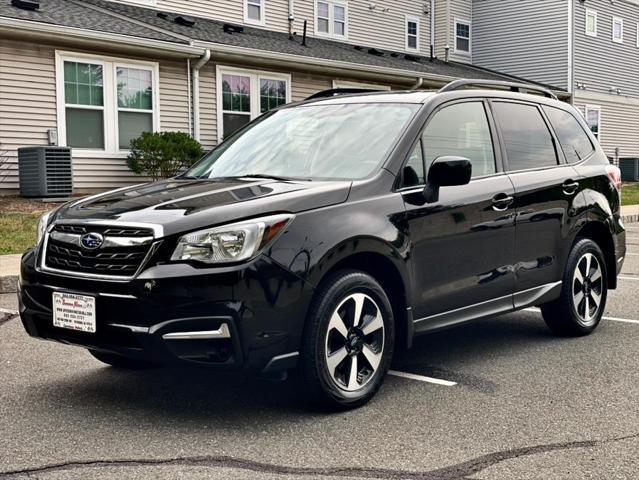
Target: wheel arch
[
  {"x": 599, "y": 233},
  {"x": 388, "y": 269}
]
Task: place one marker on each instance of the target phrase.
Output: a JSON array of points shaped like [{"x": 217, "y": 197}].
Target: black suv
[{"x": 328, "y": 233}]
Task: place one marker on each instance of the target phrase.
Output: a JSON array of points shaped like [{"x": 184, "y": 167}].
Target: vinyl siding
[
  {"x": 27, "y": 101},
  {"x": 446, "y": 11},
  {"x": 619, "y": 122},
  {"x": 28, "y": 110},
  {"x": 376, "y": 28},
  {"x": 208, "y": 106},
  {"x": 601, "y": 63},
  {"x": 523, "y": 38}
]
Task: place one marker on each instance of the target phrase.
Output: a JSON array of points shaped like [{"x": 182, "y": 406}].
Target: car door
[
  {"x": 462, "y": 244},
  {"x": 544, "y": 191}
]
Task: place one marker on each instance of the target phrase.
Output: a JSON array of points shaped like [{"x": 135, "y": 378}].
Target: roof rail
[
  {"x": 513, "y": 86},
  {"x": 334, "y": 92}
]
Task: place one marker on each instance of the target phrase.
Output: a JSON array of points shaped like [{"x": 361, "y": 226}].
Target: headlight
[
  {"x": 230, "y": 243},
  {"x": 43, "y": 224}
]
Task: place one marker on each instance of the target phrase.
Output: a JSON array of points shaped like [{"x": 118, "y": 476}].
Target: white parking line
[
  {"x": 624, "y": 277},
  {"x": 614, "y": 319},
  {"x": 422, "y": 378},
  {"x": 633, "y": 254}
]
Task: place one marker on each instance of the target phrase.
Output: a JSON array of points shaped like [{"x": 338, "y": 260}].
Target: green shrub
[{"x": 163, "y": 155}]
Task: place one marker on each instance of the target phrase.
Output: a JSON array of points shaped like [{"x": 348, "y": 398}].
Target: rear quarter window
[{"x": 573, "y": 139}]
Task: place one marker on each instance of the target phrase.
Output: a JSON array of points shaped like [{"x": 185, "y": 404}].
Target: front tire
[
  {"x": 579, "y": 309},
  {"x": 121, "y": 362},
  {"x": 348, "y": 341}
]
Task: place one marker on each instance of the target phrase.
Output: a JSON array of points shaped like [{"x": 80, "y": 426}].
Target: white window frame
[
  {"x": 331, "y": 19},
  {"x": 250, "y": 21},
  {"x": 594, "y": 108},
  {"x": 415, "y": 20},
  {"x": 590, "y": 13},
  {"x": 110, "y": 100},
  {"x": 255, "y": 77},
  {"x": 349, "y": 84},
  {"x": 463, "y": 21},
  {"x": 620, "y": 22}
]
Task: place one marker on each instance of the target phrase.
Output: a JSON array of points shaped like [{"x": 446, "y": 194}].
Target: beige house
[{"x": 94, "y": 74}]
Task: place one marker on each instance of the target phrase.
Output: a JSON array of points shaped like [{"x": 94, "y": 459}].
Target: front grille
[{"x": 65, "y": 252}]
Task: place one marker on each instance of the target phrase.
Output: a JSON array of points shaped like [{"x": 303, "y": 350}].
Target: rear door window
[
  {"x": 573, "y": 139},
  {"x": 528, "y": 141}
]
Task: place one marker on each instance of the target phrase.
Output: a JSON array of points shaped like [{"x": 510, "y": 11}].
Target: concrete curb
[
  {"x": 8, "y": 284},
  {"x": 630, "y": 218}
]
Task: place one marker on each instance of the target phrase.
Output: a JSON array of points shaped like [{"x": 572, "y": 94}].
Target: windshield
[{"x": 312, "y": 142}]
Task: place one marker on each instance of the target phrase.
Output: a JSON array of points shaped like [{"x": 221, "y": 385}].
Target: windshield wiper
[{"x": 273, "y": 177}]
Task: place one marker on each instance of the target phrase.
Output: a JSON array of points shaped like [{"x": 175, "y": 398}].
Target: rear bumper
[{"x": 241, "y": 318}]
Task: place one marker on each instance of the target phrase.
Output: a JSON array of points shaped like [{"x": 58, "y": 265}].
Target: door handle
[
  {"x": 569, "y": 187},
  {"x": 502, "y": 201}
]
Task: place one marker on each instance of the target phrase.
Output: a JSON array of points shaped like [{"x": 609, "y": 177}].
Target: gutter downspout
[
  {"x": 196, "y": 92},
  {"x": 418, "y": 85},
  {"x": 188, "y": 82},
  {"x": 432, "y": 29},
  {"x": 447, "y": 48}
]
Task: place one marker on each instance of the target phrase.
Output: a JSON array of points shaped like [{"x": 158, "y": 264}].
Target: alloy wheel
[
  {"x": 587, "y": 288},
  {"x": 354, "y": 342}
]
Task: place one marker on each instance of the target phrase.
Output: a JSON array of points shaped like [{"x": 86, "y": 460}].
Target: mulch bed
[{"x": 24, "y": 205}]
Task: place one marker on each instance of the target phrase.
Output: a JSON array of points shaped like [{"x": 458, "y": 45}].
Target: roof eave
[{"x": 38, "y": 31}]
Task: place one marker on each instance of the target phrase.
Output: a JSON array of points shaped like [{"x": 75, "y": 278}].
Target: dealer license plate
[{"x": 76, "y": 312}]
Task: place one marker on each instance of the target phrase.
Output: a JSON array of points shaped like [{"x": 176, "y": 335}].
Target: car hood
[{"x": 180, "y": 205}]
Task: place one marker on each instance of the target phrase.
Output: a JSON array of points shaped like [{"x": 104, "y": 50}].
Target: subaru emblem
[{"x": 91, "y": 241}]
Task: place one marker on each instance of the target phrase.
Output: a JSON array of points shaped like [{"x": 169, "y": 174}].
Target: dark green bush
[{"x": 163, "y": 154}]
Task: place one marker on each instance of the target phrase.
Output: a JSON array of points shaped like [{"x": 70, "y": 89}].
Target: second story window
[
  {"x": 591, "y": 23},
  {"x": 462, "y": 36},
  {"x": 331, "y": 18},
  {"x": 412, "y": 34},
  {"x": 617, "y": 30},
  {"x": 254, "y": 12}
]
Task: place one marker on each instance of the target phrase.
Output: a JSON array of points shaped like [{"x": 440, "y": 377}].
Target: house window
[
  {"x": 593, "y": 119},
  {"x": 84, "y": 104},
  {"x": 462, "y": 36},
  {"x": 617, "y": 30},
  {"x": 254, "y": 12},
  {"x": 135, "y": 103},
  {"x": 331, "y": 18},
  {"x": 103, "y": 102},
  {"x": 591, "y": 23},
  {"x": 412, "y": 34},
  {"x": 248, "y": 94}
]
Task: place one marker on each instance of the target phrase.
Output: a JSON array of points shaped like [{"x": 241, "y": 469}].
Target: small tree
[{"x": 163, "y": 155}]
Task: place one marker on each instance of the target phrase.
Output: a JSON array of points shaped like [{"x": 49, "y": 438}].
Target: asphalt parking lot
[{"x": 515, "y": 403}]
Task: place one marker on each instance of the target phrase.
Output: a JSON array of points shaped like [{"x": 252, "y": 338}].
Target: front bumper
[{"x": 247, "y": 317}]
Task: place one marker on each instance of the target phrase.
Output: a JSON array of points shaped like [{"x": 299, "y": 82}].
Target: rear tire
[
  {"x": 579, "y": 309},
  {"x": 348, "y": 341},
  {"x": 121, "y": 362}
]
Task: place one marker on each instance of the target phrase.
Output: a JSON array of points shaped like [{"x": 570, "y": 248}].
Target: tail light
[{"x": 615, "y": 175}]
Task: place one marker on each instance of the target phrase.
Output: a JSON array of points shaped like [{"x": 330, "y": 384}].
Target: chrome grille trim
[{"x": 154, "y": 242}]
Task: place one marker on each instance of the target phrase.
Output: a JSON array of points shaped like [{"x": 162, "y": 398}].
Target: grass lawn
[
  {"x": 630, "y": 194},
  {"x": 17, "y": 231}
]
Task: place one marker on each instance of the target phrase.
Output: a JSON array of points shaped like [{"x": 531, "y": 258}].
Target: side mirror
[{"x": 446, "y": 171}]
